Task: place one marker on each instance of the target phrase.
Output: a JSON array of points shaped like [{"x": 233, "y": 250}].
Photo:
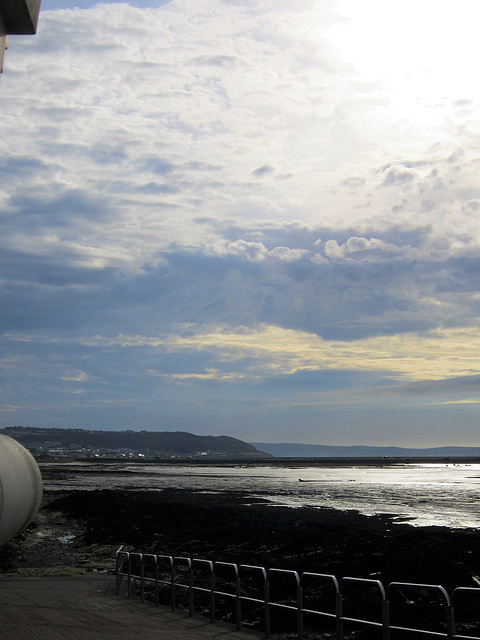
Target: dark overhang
[{"x": 19, "y": 16}]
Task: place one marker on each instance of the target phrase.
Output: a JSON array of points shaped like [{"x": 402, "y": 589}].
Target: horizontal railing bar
[
  {"x": 287, "y": 571},
  {"x": 442, "y": 634},
  {"x": 233, "y": 595},
  {"x": 319, "y": 613},
  {"x": 368, "y": 622},
  {"x": 249, "y": 599},
  {"x": 470, "y": 589},
  {"x": 282, "y": 606},
  {"x": 226, "y": 594}
]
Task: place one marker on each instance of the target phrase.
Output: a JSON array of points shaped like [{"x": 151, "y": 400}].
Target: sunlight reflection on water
[{"x": 425, "y": 494}]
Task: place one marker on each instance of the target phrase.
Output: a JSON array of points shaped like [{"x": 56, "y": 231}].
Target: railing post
[
  {"x": 157, "y": 595},
  {"x": 450, "y": 620},
  {"x": 190, "y": 587},
  {"x": 299, "y": 607},
  {"x": 339, "y": 614},
  {"x": 266, "y": 590},
  {"x": 119, "y": 569},
  {"x": 129, "y": 577},
  {"x": 238, "y": 603},
  {"x": 385, "y": 617},
  {"x": 142, "y": 579},
  {"x": 212, "y": 592},
  {"x": 172, "y": 584}
]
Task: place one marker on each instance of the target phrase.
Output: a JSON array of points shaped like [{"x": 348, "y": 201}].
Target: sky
[{"x": 255, "y": 219}]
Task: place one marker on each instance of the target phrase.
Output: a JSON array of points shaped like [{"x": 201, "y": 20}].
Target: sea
[{"x": 422, "y": 494}]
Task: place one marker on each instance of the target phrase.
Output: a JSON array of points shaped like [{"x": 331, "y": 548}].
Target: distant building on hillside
[{"x": 17, "y": 17}]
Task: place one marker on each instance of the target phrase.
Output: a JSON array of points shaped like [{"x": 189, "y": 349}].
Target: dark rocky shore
[{"x": 82, "y": 529}]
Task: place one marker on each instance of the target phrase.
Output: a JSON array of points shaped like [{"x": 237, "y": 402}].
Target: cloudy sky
[{"x": 257, "y": 219}]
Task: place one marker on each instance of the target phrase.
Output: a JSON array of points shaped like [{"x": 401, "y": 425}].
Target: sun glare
[{"x": 422, "y": 50}]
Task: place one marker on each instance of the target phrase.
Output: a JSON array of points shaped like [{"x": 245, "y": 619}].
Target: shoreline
[
  {"x": 293, "y": 462},
  {"x": 423, "y": 495},
  {"x": 83, "y": 529}
]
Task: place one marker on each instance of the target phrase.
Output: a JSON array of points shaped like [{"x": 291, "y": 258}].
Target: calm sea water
[{"x": 425, "y": 494}]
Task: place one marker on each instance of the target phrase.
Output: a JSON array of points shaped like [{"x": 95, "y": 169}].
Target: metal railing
[{"x": 347, "y": 602}]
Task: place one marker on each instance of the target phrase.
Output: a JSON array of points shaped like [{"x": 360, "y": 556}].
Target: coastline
[
  {"x": 79, "y": 531},
  {"x": 290, "y": 462}
]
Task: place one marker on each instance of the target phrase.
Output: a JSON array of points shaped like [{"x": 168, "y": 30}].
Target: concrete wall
[
  {"x": 17, "y": 17},
  {"x": 3, "y": 46},
  {"x": 3, "y": 42},
  {"x": 20, "y": 16}
]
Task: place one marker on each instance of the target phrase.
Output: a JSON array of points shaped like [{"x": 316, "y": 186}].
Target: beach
[{"x": 80, "y": 526}]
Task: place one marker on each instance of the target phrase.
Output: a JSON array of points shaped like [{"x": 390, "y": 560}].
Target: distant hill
[
  {"x": 154, "y": 443},
  {"x": 297, "y": 450}
]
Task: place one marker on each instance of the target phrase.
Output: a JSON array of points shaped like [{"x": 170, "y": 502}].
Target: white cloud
[
  {"x": 233, "y": 164},
  {"x": 215, "y": 93},
  {"x": 252, "y": 251},
  {"x": 289, "y": 255},
  {"x": 256, "y": 252},
  {"x": 356, "y": 245}
]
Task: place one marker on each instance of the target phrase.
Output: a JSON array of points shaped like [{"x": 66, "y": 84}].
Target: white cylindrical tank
[{"x": 20, "y": 488}]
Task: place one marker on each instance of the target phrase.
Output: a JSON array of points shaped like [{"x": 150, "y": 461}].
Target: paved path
[{"x": 86, "y": 607}]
